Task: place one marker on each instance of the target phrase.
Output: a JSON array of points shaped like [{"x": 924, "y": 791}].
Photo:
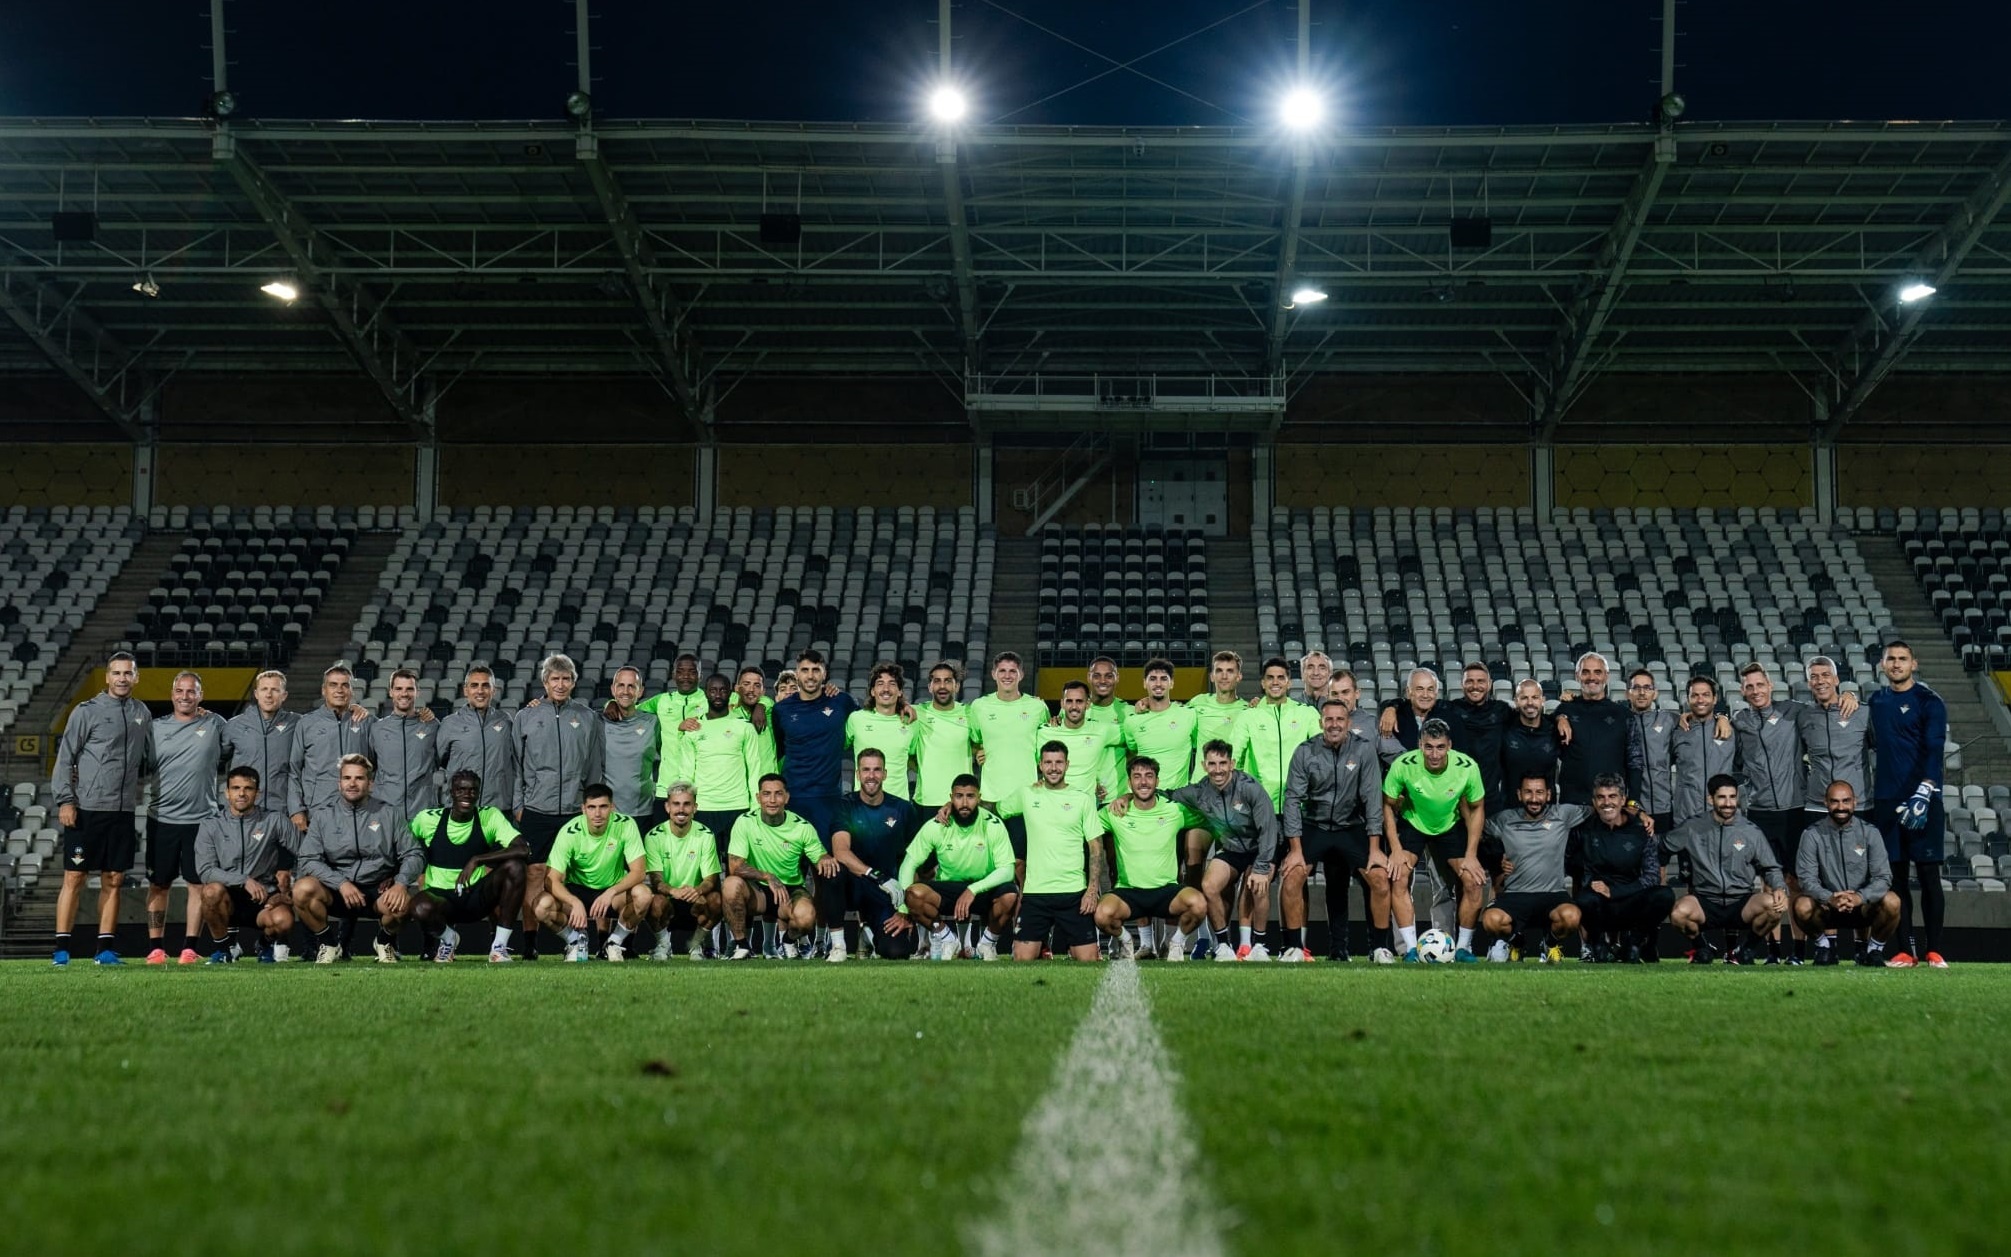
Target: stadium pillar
[
  {"x": 145, "y": 451},
  {"x": 705, "y": 479},
  {"x": 1542, "y": 479},
  {"x": 981, "y": 480},
  {"x": 1822, "y": 468},
  {"x": 1263, "y": 462},
  {"x": 426, "y": 480}
]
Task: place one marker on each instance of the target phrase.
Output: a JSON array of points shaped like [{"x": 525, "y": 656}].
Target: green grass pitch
[{"x": 798, "y": 1107}]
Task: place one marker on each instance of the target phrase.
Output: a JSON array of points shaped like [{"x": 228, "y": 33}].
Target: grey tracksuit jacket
[
  {"x": 1838, "y": 750},
  {"x": 484, "y": 743},
  {"x": 1242, "y": 815},
  {"x": 188, "y": 760},
  {"x": 406, "y": 751},
  {"x": 1851, "y": 858},
  {"x": 320, "y": 741},
  {"x": 251, "y": 740},
  {"x": 1653, "y": 767},
  {"x": 1724, "y": 859},
  {"x": 233, "y": 849},
  {"x": 559, "y": 752},
  {"x": 1334, "y": 787},
  {"x": 629, "y": 756},
  {"x": 1770, "y": 757},
  {"x": 363, "y": 844},
  {"x": 1697, "y": 756},
  {"x": 104, "y": 748},
  {"x": 1539, "y": 849}
]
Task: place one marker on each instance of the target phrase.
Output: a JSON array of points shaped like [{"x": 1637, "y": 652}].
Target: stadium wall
[
  {"x": 1910, "y": 474},
  {"x": 566, "y": 475},
  {"x": 75, "y": 474},
  {"x": 1684, "y": 476},
  {"x": 295, "y": 475},
  {"x": 1401, "y": 475},
  {"x": 844, "y": 475}
]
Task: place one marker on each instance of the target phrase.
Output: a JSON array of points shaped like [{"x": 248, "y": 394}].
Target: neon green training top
[
  {"x": 942, "y": 751},
  {"x": 1089, "y": 749},
  {"x": 1059, "y": 823},
  {"x": 1166, "y": 736},
  {"x": 1265, "y": 737},
  {"x": 1433, "y": 798},
  {"x": 722, "y": 761},
  {"x": 1214, "y": 720},
  {"x": 1011, "y": 734},
  {"x": 685, "y": 861},
  {"x": 980, "y": 853},
  {"x": 778, "y": 850},
  {"x": 1148, "y": 842},
  {"x": 595, "y": 861},
  {"x": 765, "y": 739},
  {"x": 891, "y": 737},
  {"x": 448, "y": 848}
]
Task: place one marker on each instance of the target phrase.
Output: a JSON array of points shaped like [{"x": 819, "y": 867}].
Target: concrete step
[
  {"x": 1016, "y": 600},
  {"x": 330, "y": 636}
]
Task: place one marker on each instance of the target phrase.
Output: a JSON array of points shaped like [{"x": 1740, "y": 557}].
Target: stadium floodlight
[
  {"x": 1916, "y": 290},
  {"x": 1306, "y": 295},
  {"x": 1671, "y": 107},
  {"x": 146, "y": 287},
  {"x": 220, "y": 105},
  {"x": 1301, "y": 109},
  {"x": 579, "y": 106},
  {"x": 948, "y": 105},
  {"x": 282, "y": 289}
]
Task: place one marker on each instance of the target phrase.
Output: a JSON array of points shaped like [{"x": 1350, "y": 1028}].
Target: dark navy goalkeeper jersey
[
  {"x": 880, "y": 835},
  {"x": 1909, "y": 732},
  {"x": 810, "y": 738}
]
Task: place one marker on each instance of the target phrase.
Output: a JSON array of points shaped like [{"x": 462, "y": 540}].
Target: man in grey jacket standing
[
  {"x": 99, "y": 760},
  {"x": 1726, "y": 852},
  {"x": 479, "y": 737},
  {"x": 357, "y": 860},
  {"x": 187, "y": 760},
  {"x": 1846, "y": 881},
  {"x": 261, "y": 736},
  {"x": 405, "y": 747},
  {"x": 1334, "y": 816},
  {"x": 560, "y": 752},
  {"x": 321, "y": 739},
  {"x": 629, "y": 737}
]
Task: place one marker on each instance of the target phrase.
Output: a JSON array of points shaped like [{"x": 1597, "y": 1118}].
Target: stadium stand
[
  {"x": 55, "y": 564},
  {"x": 618, "y": 585},
  {"x": 1132, "y": 594},
  {"x": 246, "y": 584},
  {"x": 1961, "y": 560}
]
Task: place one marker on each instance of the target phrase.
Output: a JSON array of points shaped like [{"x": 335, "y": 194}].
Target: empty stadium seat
[
  {"x": 55, "y": 565},
  {"x": 1131, "y": 594}
]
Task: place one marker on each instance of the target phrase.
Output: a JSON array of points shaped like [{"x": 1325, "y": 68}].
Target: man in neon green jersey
[
  {"x": 1007, "y": 727},
  {"x": 1217, "y": 710},
  {"x": 1434, "y": 803},
  {"x": 1268, "y": 733},
  {"x": 1105, "y": 707},
  {"x": 1064, "y": 861},
  {"x": 597, "y": 874},
  {"x": 1089, "y": 744},
  {"x": 1148, "y": 838},
  {"x": 887, "y": 727},
  {"x": 942, "y": 738},
  {"x": 1162, "y": 729},
  {"x": 764, "y": 870},
  {"x": 681, "y": 861},
  {"x": 973, "y": 880},
  {"x": 461, "y": 842},
  {"x": 752, "y": 704},
  {"x": 721, "y": 756}
]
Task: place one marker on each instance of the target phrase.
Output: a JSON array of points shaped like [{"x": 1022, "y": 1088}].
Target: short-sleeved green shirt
[
  {"x": 1117, "y": 713},
  {"x": 1058, "y": 824},
  {"x": 1148, "y": 842},
  {"x": 1168, "y": 737},
  {"x": 1214, "y": 720},
  {"x": 764, "y": 741},
  {"x": 722, "y": 760},
  {"x": 891, "y": 737},
  {"x": 1089, "y": 755},
  {"x": 778, "y": 850},
  {"x": 1011, "y": 734},
  {"x": 980, "y": 854},
  {"x": 596, "y": 861},
  {"x": 448, "y": 848},
  {"x": 942, "y": 751},
  {"x": 685, "y": 861},
  {"x": 1433, "y": 798}
]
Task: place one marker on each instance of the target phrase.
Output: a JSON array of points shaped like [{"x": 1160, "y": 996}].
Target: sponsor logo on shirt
[
  {"x": 1738, "y": 844},
  {"x": 282, "y": 728},
  {"x": 827, "y": 711},
  {"x": 419, "y": 734},
  {"x": 574, "y": 722},
  {"x": 1858, "y": 849},
  {"x": 374, "y": 826},
  {"x": 1659, "y": 728},
  {"x": 498, "y": 726},
  {"x": 1903, "y": 709},
  {"x": 202, "y": 733}
]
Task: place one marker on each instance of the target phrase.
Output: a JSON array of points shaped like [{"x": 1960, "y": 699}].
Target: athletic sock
[
  {"x": 1465, "y": 938},
  {"x": 1873, "y": 946},
  {"x": 502, "y": 939},
  {"x": 619, "y": 934},
  {"x": 1800, "y": 948},
  {"x": 325, "y": 936},
  {"x": 1406, "y": 937},
  {"x": 1822, "y": 944},
  {"x": 1292, "y": 940},
  {"x": 1773, "y": 949},
  {"x": 107, "y": 942},
  {"x": 991, "y": 938},
  {"x": 1145, "y": 936},
  {"x": 219, "y": 944},
  {"x": 1243, "y": 935},
  {"x": 1177, "y": 942},
  {"x": 450, "y": 938},
  {"x": 62, "y": 943}
]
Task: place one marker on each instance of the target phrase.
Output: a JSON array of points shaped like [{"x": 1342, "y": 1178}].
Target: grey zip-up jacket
[
  {"x": 1242, "y": 815},
  {"x": 1334, "y": 787},
  {"x": 363, "y": 844},
  {"x": 559, "y": 752},
  {"x": 1652, "y": 764},
  {"x": 484, "y": 743},
  {"x": 629, "y": 751},
  {"x": 104, "y": 748},
  {"x": 188, "y": 762},
  {"x": 1837, "y": 750},
  {"x": 1851, "y": 858},
  {"x": 250, "y": 740},
  {"x": 1770, "y": 757},
  {"x": 1724, "y": 859},
  {"x": 406, "y": 751},
  {"x": 232, "y": 850},
  {"x": 1539, "y": 848},
  {"x": 320, "y": 741},
  {"x": 1697, "y": 756}
]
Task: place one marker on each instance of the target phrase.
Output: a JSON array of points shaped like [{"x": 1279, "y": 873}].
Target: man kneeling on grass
[
  {"x": 357, "y": 860},
  {"x": 597, "y": 872},
  {"x": 1148, "y": 832},
  {"x": 681, "y": 858},
  {"x": 1064, "y": 861},
  {"x": 764, "y": 871},
  {"x": 973, "y": 881},
  {"x": 1726, "y": 852},
  {"x": 1846, "y": 881},
  {"x": 237, "y": 855},
  {"x": 476, "y": 865}
]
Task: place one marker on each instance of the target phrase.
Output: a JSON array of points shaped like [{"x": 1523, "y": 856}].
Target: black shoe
[
  {"x": 1741, "y": 955},
  {"x": 1871, "y": 960},
  {"x": 1773, "y": 959},
  {"x": 1825, "y": 956},
  {"x": 1701, "y": 954},
  {"x": 1594, "y": 953},
  {"x": 1339, "y": 957},
  {"x": 1650, "y": 954},
  {"x": 1794, "y": 961},
  {"x": 1633, "y": 956}
]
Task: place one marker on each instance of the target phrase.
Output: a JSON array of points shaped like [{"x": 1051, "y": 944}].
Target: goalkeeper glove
[{"x": 1913, "y": 812}]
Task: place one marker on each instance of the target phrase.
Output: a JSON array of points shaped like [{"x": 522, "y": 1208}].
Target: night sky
[{"x": 1391, "y": 62}]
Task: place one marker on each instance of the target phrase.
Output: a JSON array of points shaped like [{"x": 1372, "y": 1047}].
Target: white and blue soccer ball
[{"x": 1434, "y": 948}]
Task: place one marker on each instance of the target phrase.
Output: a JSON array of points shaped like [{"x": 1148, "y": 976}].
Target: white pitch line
[{"x": 1105, "y": 1162}]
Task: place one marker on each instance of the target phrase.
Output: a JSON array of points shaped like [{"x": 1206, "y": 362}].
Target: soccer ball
[{"x": 1434, "y": 948}]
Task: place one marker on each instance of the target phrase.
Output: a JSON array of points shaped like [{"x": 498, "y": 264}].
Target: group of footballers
[{"x": 950, "y": 829}]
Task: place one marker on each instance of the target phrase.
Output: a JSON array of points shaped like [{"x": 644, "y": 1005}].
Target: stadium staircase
[
  {"x": 1232, "y": 603},
  {"x": 107, "y": 624},
  {"x": 1986, "y": 759},
  {"x": 1015, "y": 601},
  {"x": 331, "y": 636}
]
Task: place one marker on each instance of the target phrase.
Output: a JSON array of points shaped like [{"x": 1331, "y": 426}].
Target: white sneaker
[
  {"x": 576, "y": 954},
  {"x": 327, "y": 954},
  {"x": 1258, "y": 952},
  {"x": 837, "y": 956},
  {"x": 987, "y": 950},
  {"x": 1127, "y": 946},
  {"x": 1174, "y": 952},
  {"x": 1225, "y": 952},
  {"x": 740, "y": 953},
  {"x": 697, "y": 949},
  {"x": 1499, "y": 952},
  {"x": 1384, "y": 956},
  {"x": 386, "y": 953},
  {"x": 501, "y": 956},
  {"x": 614, "y": 952},
  {"x": 661, "y": 952},
  {"x": 787, "y": 951},
  {"x": 1290, "y": 956},
  {"x": 281, "y": 953},
  {"x": 444, "y": 953}
]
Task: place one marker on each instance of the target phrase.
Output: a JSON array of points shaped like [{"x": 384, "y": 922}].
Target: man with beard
[
  {"x": 1726, "y": 852},
  {"x": 721, "y": 756},
  {"x": 973, "y": 881},
  {"x": 1701, "y": 748},
  {"x": 1846, "y": 881},
  {"x": 1617, "y": 867},
  {"x": 1529, "y": 847}
]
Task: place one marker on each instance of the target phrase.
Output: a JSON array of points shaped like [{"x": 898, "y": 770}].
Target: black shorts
[
  {"x": 1916, "y": 846},
  {"x": 337, "y": 907},
  {"x": 244, "y": 909},
  {"x": 1237, "y": 860},
  {"x": 1858, "y": 918},
  {"x": 1530, "y": 911},
  {"x": 171, "y": 852},
  {"x": 1443, "y": 848},
  {"x": 467, "y": 904},
  {"x": 586, "y": 895},
  {"x": 1784, "y": 834},
  {"x": 101, "y": 842},
  {"x": 1351, "y": 844},
  {"x": 1155, "y": 902},
  {"x": 540, "y": 830},
  {"x": 1058, "y": 914},
  {"x": 981, "y": 903},
  {"x": 1627, "y": 908},
  {"x": 677, "y": 914},
  {"x": 762, "y": 904},
  {"x": 1724, "y": 914}
]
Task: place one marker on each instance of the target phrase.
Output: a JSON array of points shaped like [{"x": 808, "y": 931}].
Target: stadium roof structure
[{"x": 1007, "y": 261}]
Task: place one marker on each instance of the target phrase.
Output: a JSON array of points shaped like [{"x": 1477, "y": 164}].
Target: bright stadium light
[
  {"x": 947, "y": 104},
  {"x": 1306, "y": 295},
  {"x": 1301, "y": 109},
  {"x": 1916, "y": 290},
  {"x": 282, "y": 289}
]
